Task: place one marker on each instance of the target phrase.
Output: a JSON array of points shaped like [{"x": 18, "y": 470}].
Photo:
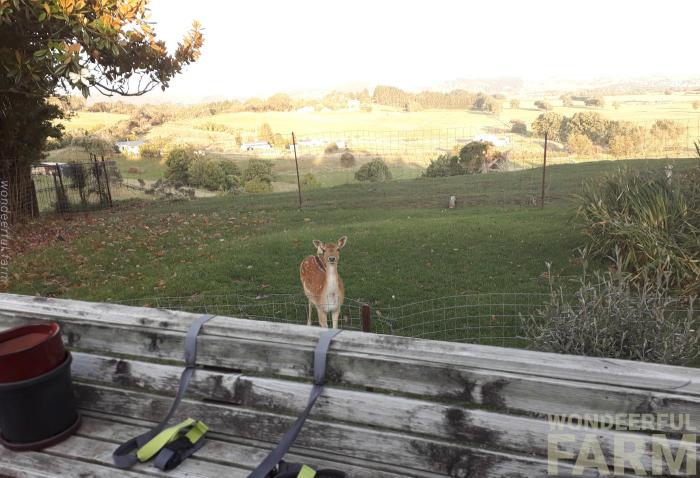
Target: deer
[{"x": 323, "y": 286}]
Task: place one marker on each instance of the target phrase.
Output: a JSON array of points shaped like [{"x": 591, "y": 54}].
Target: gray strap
[
  {"x": 125, "y": 455},
  {"x": 290, "y": 436}
]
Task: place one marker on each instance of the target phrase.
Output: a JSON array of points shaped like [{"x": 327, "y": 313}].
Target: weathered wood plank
[
  {"x": 282, "y": 337},
  {"x": 282, "y": 395},
  {"x": 82, "y": 449},
  {"x": 442, "y": 381},
  {"x": 416, "y": 417},
  {"x": 420, "y": 453},
  {"x": 41, "y": 465},
  {"x": 241, "y": 452}
]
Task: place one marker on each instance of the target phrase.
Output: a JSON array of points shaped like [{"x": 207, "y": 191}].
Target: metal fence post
[
  {"x": 544, "y": 169},
  {"x": 366, "y": 318}
]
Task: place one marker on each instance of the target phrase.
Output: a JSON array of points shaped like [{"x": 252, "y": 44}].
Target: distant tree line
[
  {"x": 583, "y": 131},
  {"x": 455, "y": 99}
]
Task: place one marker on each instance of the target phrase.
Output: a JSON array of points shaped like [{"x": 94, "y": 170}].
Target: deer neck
[{"x": 331, "y": 277}]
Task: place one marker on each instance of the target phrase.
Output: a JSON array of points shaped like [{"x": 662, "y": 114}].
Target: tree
[
  {"x": 550, "y": 123},
  {"x": 518, "y": 127},
  {"x": 177, "y": 164},
  {"x": 567, "y": 101},
  {"x": 543, "y": 105},
  {"x": 580, "y": 144},
  {"x": 515, "y": 104},
  {"x": 265, "y": 133},
  {"x": 696, "y": 105},
  {"x": 588, "y": 123},
  {"x": 279, "y": 102},
  {"x": 56, "y": 46},
  {"x": 625, "y": 139}
]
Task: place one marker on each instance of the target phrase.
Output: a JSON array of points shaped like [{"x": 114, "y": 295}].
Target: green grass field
[
  {"x": 403, "y": 244},
  {"x": 460, "y": 274}
]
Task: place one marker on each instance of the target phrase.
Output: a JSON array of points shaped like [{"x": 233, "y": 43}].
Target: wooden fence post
[
  {"x": 109, "y": 189},
  {"x": 296, "y": 162},
  {"x": 366, "y": 318}
]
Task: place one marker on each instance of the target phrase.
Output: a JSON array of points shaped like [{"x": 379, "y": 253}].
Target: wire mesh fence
[
  {"x": 484, "y": 318},
  {"x": 70, "y": 187}
]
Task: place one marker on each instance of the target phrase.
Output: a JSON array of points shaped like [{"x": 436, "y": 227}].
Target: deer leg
[
  {"x": 322, "y": 318},
  {"x": 308, "y": 313},
  {"x": 335, "y": 315}
]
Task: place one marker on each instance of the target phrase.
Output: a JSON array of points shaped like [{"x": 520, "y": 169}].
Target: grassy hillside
[{"x": 403, "y": 244}]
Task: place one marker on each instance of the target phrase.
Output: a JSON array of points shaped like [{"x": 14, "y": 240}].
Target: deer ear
[
  {"x": 342, "y": 241},
  {"x": 318, "y": 245}
]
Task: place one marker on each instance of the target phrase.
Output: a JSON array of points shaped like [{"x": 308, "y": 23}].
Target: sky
[{"x": 260, "y": 47}]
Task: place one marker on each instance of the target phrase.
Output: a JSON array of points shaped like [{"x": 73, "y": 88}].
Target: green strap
[
  {"x": 150, "y": 449},
  {"x": 306, "y": 472}
]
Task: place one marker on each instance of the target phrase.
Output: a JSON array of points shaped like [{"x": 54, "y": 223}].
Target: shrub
[
  {"x": 650, "y": 221},
  {"x": 543, "y": 105},
  {"x": 444, "y": 165},
  {"x": 178, "y": 162},
  {"x": 480, "y": 157},
  {"x": 260, "y": 169},
  {"x": 580, "y": 145},
  {"x": 617, "y": 317},
  {"x": 331, "y": 148},
  {"x": 150, "y": 151},
  {"x": 597, "y": 101},
  {"x": 474, "y": 157},
  {"x": 373, "y": 171},
  {"x": 347, "y": 160},
  {"x": 309, "y": 181},
  {"x": 257, "y": 185},
  {"x": 518, "y": 127},
  {"x": 206, "y": 173},
  {"x": 667, "y": 130}
]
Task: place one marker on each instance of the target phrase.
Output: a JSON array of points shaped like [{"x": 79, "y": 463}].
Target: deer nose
[{"x": 331, "y": 259}]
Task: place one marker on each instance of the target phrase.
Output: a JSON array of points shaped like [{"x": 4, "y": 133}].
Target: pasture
[{"x": 404, "y": 245}]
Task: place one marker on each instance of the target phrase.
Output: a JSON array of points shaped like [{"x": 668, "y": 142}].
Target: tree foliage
[
  {"x": 53, "y": 47},
  {"x": 373, "y": 171},
  {"x": 259, "y": 169},
  {"x": 474, "y": 157},
  {"x": 550, "y": 123},
  {"x": 455, "y": 99},
  {"x": 79, "y": 44}
]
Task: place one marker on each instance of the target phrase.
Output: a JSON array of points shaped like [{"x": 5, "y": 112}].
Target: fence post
[
  {"x": 296, "y": 162},
  {"x": 65, "y": 203},
  {"x": 109, "y": 190},
  {"x": 96, "y": 172},
  {"x": 544, "y": 170},
  {"x": 366, "y": 318}
]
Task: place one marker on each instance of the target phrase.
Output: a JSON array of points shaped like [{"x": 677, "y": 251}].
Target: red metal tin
[{"x": 28, "y": 351}]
